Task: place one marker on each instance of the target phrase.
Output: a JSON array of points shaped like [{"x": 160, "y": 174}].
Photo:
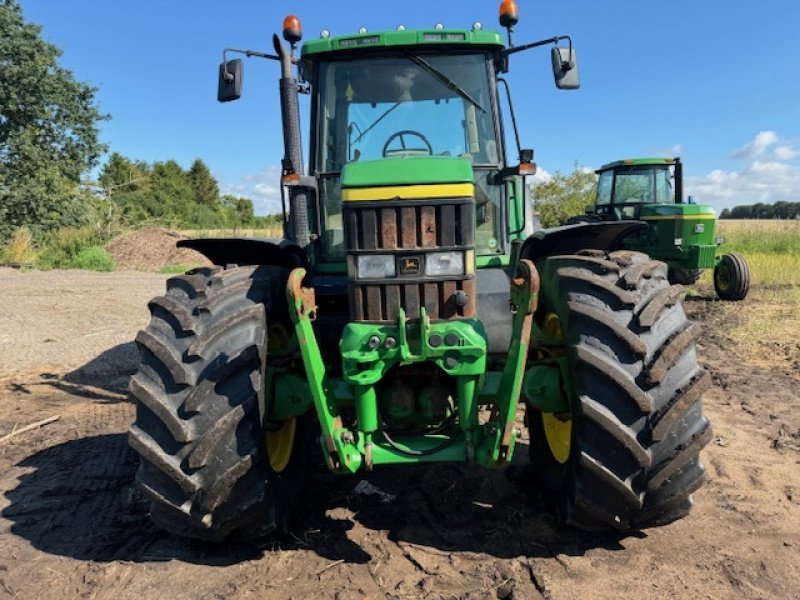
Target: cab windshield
[{"x": 408, "y": 105}]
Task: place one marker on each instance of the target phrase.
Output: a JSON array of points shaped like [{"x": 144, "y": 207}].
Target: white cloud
[
  {"x": 767, "y": 177},
  {"x": 761, "y": 181},
  {"x": 541, "y": 176},
  {"x": 263, "y": 188},
  {"x": 785, "y": 152},
  {"x": 758, "y": 146}
]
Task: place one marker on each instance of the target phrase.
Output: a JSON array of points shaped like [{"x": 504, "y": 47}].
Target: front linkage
[{"x": 458, "y": 348}]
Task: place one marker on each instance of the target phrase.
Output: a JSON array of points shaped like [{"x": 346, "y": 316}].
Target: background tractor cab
[{"x": 680, "y": 234}]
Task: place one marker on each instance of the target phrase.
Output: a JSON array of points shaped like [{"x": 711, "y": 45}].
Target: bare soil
[{"x": 72, "y": 524}]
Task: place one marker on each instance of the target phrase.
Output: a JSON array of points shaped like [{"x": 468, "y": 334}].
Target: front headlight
[
  {"x": 376, "y": 266},
  {"x": 444, "y": 263}
]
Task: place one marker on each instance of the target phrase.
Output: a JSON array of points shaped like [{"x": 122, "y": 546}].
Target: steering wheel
[{"x": 399, "y": 134}]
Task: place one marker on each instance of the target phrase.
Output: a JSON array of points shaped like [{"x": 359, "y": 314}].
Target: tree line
[
  {"x": 779, "y": 210},
  {"x": 137, "y": 192},
  {"x": 49, "y": 142}
]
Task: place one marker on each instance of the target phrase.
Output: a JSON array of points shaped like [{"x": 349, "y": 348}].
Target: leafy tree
[
  {"x": 240, "y": 209},
  {"x": 48, "y": 130},
  {"x": 564, "y": 196},
  {"x": 725, "y": 214},
  {"x": 205, "y": 187}
]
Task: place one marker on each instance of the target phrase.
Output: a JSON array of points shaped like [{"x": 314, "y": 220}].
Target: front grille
[{"x": 410, "y": 230}]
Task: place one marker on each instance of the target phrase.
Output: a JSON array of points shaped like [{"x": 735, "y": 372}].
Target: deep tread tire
[
  {"x": 198, "y": 425},
  {"x": 738, "y": 275},
  {"x": 635, "y": 391},
  {"x": 684, "y": 276}
]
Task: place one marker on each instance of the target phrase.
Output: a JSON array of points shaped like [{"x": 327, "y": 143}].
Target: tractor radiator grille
[{"x": 411, "y": 232}]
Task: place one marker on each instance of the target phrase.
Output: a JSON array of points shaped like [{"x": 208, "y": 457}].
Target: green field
[{"x": 771, "y": 247}]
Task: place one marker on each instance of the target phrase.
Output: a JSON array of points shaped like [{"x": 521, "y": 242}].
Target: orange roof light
[
  {"x": 509, "y": 14},
  {"x": 292, "y": 30}
]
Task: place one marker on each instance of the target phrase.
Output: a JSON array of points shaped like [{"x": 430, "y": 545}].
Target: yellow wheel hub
[
  {"x": 559, "y": 436},
  {"x": 280, "y": 444},
  {"x": 558, "y": 431}
]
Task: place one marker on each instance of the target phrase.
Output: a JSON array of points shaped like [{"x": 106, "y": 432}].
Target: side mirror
[
  {"x": 565, "y": 68},
  {"x": 231, "y": 74}
]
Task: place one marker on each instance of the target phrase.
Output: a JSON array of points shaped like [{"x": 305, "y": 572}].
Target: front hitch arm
[{"x": 499, "y": 434}]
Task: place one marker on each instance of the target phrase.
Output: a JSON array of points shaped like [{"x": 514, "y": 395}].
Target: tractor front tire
[
  {"x": 626, "y": 456},
  {"x": 732, "y": 277},
  {"x": 198, "y": 428}
]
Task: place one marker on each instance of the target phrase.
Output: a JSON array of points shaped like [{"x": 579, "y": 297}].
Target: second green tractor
[
  {"x": 411, "y": 308},
  {"x": 682, "y": 234}
]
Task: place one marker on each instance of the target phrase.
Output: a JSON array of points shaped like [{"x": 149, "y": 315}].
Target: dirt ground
[{"x": 72, "y": 526}]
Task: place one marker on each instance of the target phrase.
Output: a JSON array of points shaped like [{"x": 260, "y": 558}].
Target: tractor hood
[
  {"x": 407, "y": 170},
  {"x": 407, "y": 177}
]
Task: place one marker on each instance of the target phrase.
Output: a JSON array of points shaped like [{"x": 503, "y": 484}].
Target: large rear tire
[
  {"x": 627, "y": 454},
  {"x": 198, "y": 429}
]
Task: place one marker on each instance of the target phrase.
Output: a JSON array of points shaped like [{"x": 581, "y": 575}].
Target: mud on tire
[
  {"x": 198, "y": 426},
  {"x": 637, "y": 420}
]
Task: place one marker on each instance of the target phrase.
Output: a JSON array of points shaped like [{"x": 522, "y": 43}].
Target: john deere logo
[{"x": 410, "y": 265}]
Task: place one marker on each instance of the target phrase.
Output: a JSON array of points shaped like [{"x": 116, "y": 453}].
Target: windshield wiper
[
  {"x": 444, "y": 79},
  {"x": 375, "y": 122}
]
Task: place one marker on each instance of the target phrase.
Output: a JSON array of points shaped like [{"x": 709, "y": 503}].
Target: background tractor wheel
[
  {"x": 204, "y": 463},
  {"x": 684, "y": 276},
  {"x": 627, "y": 453},
  {"x": 732, "y": 277}
]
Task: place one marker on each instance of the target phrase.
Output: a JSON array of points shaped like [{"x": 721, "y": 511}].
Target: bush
[
  {"x": 93, "y": 258},
  {"x": 62, "y": 246},
  {"x": 20, "y": 248}
]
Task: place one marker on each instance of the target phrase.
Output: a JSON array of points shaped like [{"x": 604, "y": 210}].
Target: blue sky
[{"x": 716, "y": 82}]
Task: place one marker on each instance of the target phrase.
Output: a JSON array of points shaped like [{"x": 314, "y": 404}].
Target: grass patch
[
  {"x": 760, "y": 236},
  {"x": 93, "y": 258},
  {"x": 764, "y": 329}
]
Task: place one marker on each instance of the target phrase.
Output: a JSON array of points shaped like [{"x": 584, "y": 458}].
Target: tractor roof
[
  {"x": 637, "y": 162},
  {"x": 406, "y": 37}
]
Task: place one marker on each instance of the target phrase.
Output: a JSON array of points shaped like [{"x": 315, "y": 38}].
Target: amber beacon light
[
  {"x": 292, "y": 30},
  {"x": 509, "y": 14}
]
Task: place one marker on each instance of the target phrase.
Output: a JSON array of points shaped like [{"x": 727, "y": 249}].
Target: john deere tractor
[
  {"x": 680, "y": 234},
  {"x": 411, "y": 309}
]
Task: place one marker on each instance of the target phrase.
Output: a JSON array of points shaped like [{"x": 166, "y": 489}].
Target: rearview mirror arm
[
  {"x": 248, "y": 54},
  {"x": 552, "y": 40}
]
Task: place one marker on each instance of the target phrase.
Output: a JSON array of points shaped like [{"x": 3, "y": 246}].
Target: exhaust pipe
[{"x": 297, "y": 228}]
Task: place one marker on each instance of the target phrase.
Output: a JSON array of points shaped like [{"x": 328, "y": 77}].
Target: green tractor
[
  {"x": 680, "y": 234},
  {"x": 411, "y": 309}
]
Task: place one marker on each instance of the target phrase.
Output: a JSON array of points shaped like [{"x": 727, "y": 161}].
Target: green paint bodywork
[
  {"x": 406, "y": 170},
  {"x": 682, "y": 235},
  {"x": 408, "y": 37}
]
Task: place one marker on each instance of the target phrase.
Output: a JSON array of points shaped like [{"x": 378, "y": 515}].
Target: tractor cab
[
  {"x": 624, "y": 187},
  {"x": 394, "y": 109}
]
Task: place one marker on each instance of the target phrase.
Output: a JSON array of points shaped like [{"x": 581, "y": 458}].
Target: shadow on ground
[
  {"x": 79, "y": 500},
  {"x": 111, "y": 370}
]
